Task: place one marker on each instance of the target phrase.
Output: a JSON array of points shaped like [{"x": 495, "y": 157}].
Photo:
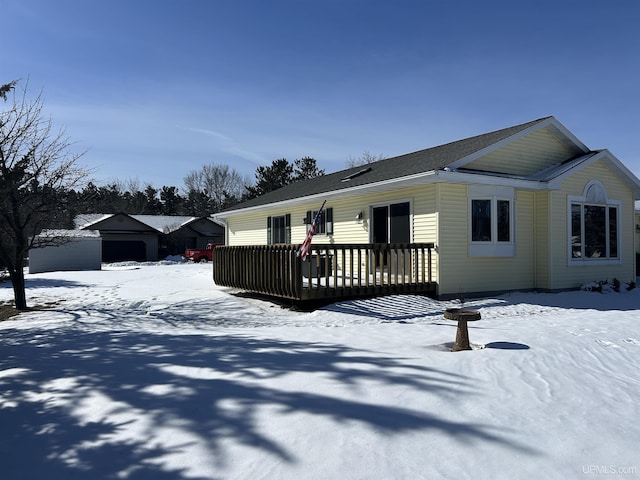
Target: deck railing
[{"x": 330, "y": 271}]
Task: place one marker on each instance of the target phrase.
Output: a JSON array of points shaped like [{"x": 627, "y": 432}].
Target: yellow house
[{"x": 528, "y": 207}]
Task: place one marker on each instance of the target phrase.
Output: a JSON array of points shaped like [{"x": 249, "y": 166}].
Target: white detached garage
[{"x": 56, "y": 250}]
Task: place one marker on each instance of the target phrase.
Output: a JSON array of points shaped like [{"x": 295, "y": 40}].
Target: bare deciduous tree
[
  {"x": 36, "y": 164},
  {"x": 364, "y": 159},
  {"x": 220, "y": 183}
]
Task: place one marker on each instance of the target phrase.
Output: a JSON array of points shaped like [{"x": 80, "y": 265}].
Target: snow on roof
[
  {"x": 161, "y": 223},
  {"x": 164, "y": 223},
  {"x": 86, "y": 219},
  {"x": 60, "y": 233}
]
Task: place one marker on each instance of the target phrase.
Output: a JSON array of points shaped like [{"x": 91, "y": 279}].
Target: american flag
[{"x": 305, "y": 248}]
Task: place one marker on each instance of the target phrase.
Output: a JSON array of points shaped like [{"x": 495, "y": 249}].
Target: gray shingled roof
[{"x": 430, "y": 159}]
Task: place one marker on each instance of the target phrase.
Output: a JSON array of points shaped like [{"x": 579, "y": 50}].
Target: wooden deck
[{"x": 337, "y": 271}]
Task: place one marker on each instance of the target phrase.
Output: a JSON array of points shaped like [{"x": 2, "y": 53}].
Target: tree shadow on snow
[
  {"x": 507, "y": 346},
  {"x": 44, "y": 283},
  {"x": 82, "y": 403},
  {"x": 416, "y": 308}
]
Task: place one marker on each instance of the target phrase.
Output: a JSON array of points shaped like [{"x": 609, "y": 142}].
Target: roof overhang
[
  {"x": 626, "y": 175},
  {"x": 426, "y": 178}
]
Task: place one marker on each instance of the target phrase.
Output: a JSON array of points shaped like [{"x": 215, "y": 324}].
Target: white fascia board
[
  {"x": 425, "y": 178},
  {"x": 492, "y": 179},
  {"x": 553, "y": 171},
  {"x": 218, "y": 222},
  {"x": 632, "y": 179},
  {"x": 627, "y": 175},
  {"x": 219, "y": 219},
  {"x": 417, "y": 179},
  {"x": 568, "y": 135},
  {"x": 549, "y": 122}
]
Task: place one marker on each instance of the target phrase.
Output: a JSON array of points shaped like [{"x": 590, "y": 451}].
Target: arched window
[
  {"x": 593, "y": 226},
  {"x": 595, "y": 192}
]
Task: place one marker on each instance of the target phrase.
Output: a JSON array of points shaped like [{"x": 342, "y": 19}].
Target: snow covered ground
[{"x": 152, "y": 372}]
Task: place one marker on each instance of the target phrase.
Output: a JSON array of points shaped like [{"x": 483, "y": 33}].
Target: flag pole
[{"x": 305, "y": 248}]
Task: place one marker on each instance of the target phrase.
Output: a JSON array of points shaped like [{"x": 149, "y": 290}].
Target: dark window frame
[
  {"x": 279, "y": 229},
  {"x": 325, "y": 223}
]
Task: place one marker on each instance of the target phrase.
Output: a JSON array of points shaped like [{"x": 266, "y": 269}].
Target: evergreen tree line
[{"x": 208, "y": 190}]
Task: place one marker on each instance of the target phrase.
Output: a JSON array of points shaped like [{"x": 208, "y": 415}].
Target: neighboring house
[
  {"x": 66, "y": 250},
  {"x": 525, "y": 207},
  {"x": 150, "y": 237}
]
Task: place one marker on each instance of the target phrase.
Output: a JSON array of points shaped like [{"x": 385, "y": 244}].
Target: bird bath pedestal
[{"x": 462, "y": 316}]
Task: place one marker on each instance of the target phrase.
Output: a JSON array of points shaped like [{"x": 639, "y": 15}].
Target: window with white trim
[
  {"x": 593, "y": 227},
  {"x": 491, "y": 221}
]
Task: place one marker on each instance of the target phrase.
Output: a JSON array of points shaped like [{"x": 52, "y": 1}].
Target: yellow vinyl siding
[
  {"x": 565, "y": 276},
  {"x": 452, "y": 238},
  {"x": 461, "y": 274},
  {"x": 346, "y": 229},
  {"x": 425, "y": 221},
  {"x": 525, "y": 156},
  {"x": 250, "y": 228},
  {"x": 542, "y": 247}
]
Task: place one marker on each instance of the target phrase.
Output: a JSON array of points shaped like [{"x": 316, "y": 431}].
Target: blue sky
[{"x": 155, "y": 89}]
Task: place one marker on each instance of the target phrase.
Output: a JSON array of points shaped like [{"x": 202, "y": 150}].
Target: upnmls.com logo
[{"x": 609, "y": 470}]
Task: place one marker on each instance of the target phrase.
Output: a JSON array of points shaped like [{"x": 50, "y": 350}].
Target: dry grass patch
[{"x": 7, "y": 310}]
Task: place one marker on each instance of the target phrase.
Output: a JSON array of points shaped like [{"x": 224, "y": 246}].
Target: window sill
[{"x": 596, "y": 262}]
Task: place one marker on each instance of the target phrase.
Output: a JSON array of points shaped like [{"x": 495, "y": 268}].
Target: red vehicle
[{"x": 196, "y": 255}]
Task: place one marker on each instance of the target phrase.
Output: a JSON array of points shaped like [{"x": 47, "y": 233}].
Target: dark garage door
[{"x": 120, "y": 250}]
